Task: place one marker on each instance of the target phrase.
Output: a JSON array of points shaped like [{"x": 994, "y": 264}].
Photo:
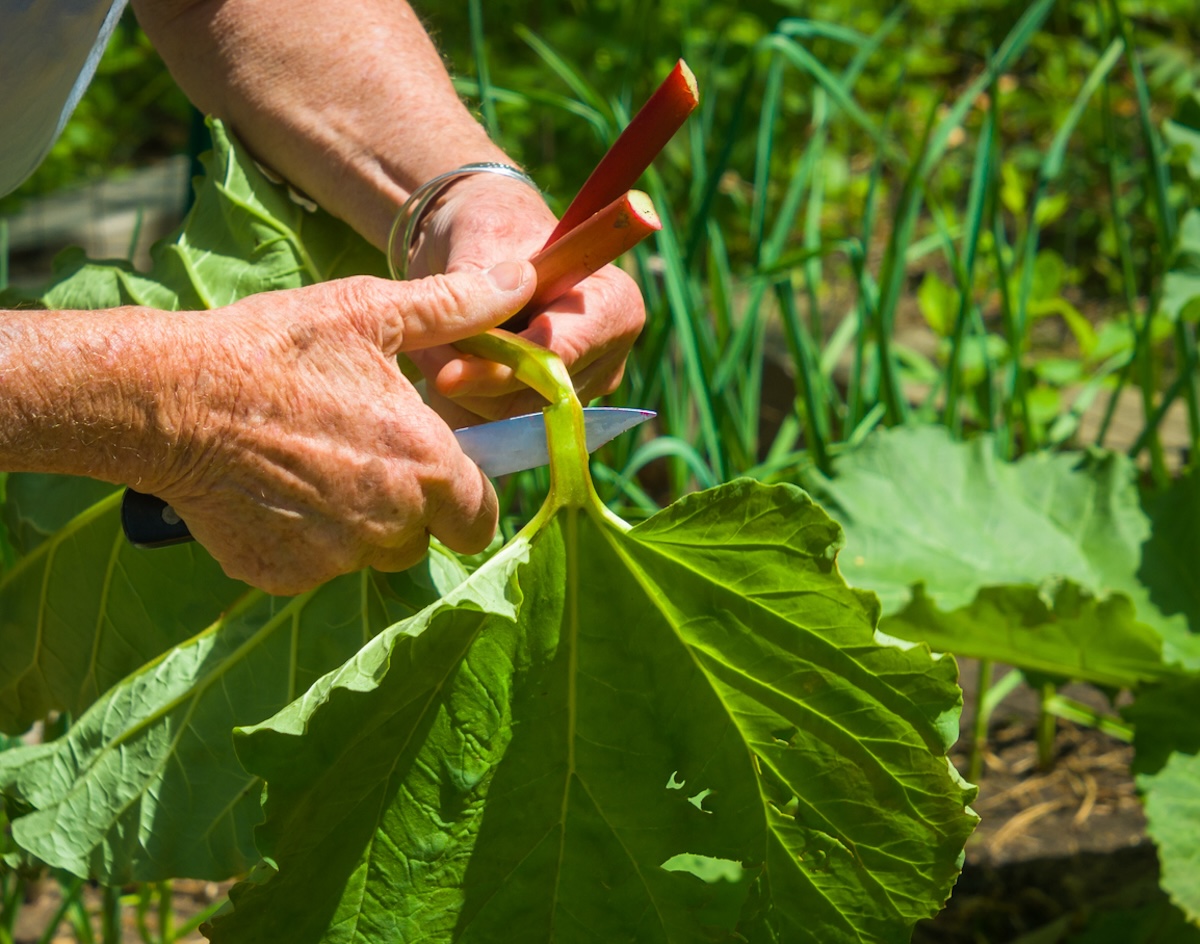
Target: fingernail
[{"x": 507, "y": 276}]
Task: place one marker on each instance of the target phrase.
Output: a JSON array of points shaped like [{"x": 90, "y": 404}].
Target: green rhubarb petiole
[{"x": 543, "y": 371}]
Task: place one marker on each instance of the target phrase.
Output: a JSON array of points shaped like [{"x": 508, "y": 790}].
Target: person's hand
[
  {"x": 300, "y": 451},
  {"x": 480, "y": 220}
]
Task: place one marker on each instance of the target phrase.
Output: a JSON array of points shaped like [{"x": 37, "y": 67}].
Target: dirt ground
[
  {"x": 1050, "y": 843},
  {"x": 44, "y": 900}
]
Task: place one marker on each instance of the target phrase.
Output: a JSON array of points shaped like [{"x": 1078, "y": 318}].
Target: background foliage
[{"x": 1017, "y": 184}]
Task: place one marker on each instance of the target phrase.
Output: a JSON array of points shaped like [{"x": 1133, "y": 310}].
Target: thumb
[{"x": 438, "y": 309}]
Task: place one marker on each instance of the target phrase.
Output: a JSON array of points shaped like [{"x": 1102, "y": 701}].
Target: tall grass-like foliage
[{"x": 914, "y": 260}]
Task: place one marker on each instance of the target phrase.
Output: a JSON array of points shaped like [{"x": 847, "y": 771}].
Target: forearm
[
  {"x": 351, "y": 103},
  {"x": 83, "y": 393}
]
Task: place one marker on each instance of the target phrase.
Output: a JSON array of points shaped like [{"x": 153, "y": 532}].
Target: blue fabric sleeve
[{"x": 48, "y": 54}]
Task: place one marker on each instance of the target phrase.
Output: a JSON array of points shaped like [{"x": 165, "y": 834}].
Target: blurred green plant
[
  {"x": 1020, "y": 181},
  {"x": 131, "y": 113}
]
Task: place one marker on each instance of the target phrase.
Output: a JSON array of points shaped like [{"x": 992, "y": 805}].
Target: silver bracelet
[{"x": 414, "y": 207}]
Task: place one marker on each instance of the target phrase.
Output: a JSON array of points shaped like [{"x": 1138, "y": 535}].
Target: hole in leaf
[
  {"x": 674, "y": 784},
  {"x": 705, "y": 868},
  {"x": 698, "y": 800},
  {"x": 785, "y": 735}
]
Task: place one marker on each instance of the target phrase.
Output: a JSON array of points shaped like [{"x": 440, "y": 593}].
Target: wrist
[
  {"x": 482, "y": 219},
  {"x": 433, "y": 196},
  {"x": 91, "y": 393}
]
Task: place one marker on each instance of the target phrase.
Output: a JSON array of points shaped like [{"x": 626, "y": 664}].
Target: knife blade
[
  {"x": 498, "y": 448},
  {"x": 519, "y": 443}
]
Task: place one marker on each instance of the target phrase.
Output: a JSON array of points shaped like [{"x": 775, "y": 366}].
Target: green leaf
[
  {"x": 1172, "y": 798},
  {"x": 242, "y": 236},
  {"x": 1182, "y": 134},
  {"x": 1059, "y": 630},
  {"x": 1166, "y": 719},
  {"x": 1181, "y": 285},
  {"x": 36, "y": 506},
  {"x": 1173, "y": 547},
  {"x": 524, "y": 759},
  {"x": 145, "y": 786},
  {"x": 85, "y": 608},
  {"x": 82, "y": 609},
  {"x": 939, "y": 303},
  {"x": 1033, "y": 562}
]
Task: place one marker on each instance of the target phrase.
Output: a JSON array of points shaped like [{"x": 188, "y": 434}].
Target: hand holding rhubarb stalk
[{"x": 591, "y": 325}]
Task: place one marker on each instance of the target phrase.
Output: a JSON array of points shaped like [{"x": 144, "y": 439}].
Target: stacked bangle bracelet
[{"x": 408, "y": 218}]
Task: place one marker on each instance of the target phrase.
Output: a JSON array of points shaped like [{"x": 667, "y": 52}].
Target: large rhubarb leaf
[
  {"x": 1051, "y": 564},
  {"x": 243, "y": 235},
  {"x": 1034, "y": 562},
  {"x": 686, "y": 732},
  {"x": 82, "y": 609},
  {"x": 1172, "y": 797},
  {"x": 1167, "y": 763},
  {"x": 145, "y": 785}
]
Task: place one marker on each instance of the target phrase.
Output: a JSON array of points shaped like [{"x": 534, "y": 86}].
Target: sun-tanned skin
[{"x": 280, "y": 426}]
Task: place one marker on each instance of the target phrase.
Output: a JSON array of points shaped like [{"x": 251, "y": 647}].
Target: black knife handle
[{"x": 150, "y": 522}]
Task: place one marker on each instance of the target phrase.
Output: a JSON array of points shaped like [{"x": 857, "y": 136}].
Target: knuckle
[
  {"x": 439, "y": 292},
  {"x": 360, "y": 302},
  {"x": 352, "y": 294}
]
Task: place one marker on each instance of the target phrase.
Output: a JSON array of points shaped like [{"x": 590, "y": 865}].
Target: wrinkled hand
[
  {"x": 479, "y": 221},
  {"x": 302, "y": 452}
]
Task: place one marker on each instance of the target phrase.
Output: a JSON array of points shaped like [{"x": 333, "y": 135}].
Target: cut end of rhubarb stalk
[
  {"x": 689, "y": 79},
  {"x": 640, "y": 205},
  {"x": 591, "y": 245}
]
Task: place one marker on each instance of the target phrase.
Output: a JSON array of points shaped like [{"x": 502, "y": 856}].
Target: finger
[
  {"x": 472, "y": 410},
  {"x": 574, "y": 338},
  {"x": 465, "y": 520},
  {"x": 392, "y": 560},
  {"x": 599, "y": 378},
  {"x": 455, "y": 414},
  {"x": 439, "y": 309},
  {"x": 473, "y": 376}
]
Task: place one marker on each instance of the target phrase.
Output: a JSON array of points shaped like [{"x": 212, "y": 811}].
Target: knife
[{"x": 498, "y": 448}]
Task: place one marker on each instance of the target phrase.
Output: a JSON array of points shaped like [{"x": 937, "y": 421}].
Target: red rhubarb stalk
[
  {"x": 591, "y": 245},
  {"x": 649, "y": 131}
]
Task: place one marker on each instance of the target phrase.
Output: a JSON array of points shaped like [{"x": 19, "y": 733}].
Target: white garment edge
[{"x": 22, "y": 150}]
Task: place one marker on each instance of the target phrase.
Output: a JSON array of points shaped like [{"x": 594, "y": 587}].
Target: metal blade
[{"x": 520, "y": 442}]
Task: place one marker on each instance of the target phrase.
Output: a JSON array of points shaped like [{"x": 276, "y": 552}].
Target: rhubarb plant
[
  {"x": 687, "y": 730},
  {"x": 1054, "y": 564}
]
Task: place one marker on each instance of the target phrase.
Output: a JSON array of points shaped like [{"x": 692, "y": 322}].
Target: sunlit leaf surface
[
  {"x": 1035, "y": 562},
  {"x": 660, "y": 735},
  {"x": 145, "y": 785},
  {"x": 1173, "y": 822}
]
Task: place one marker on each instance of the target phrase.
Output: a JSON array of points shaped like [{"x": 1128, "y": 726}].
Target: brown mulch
[{"x": 1051, "y": 843}]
